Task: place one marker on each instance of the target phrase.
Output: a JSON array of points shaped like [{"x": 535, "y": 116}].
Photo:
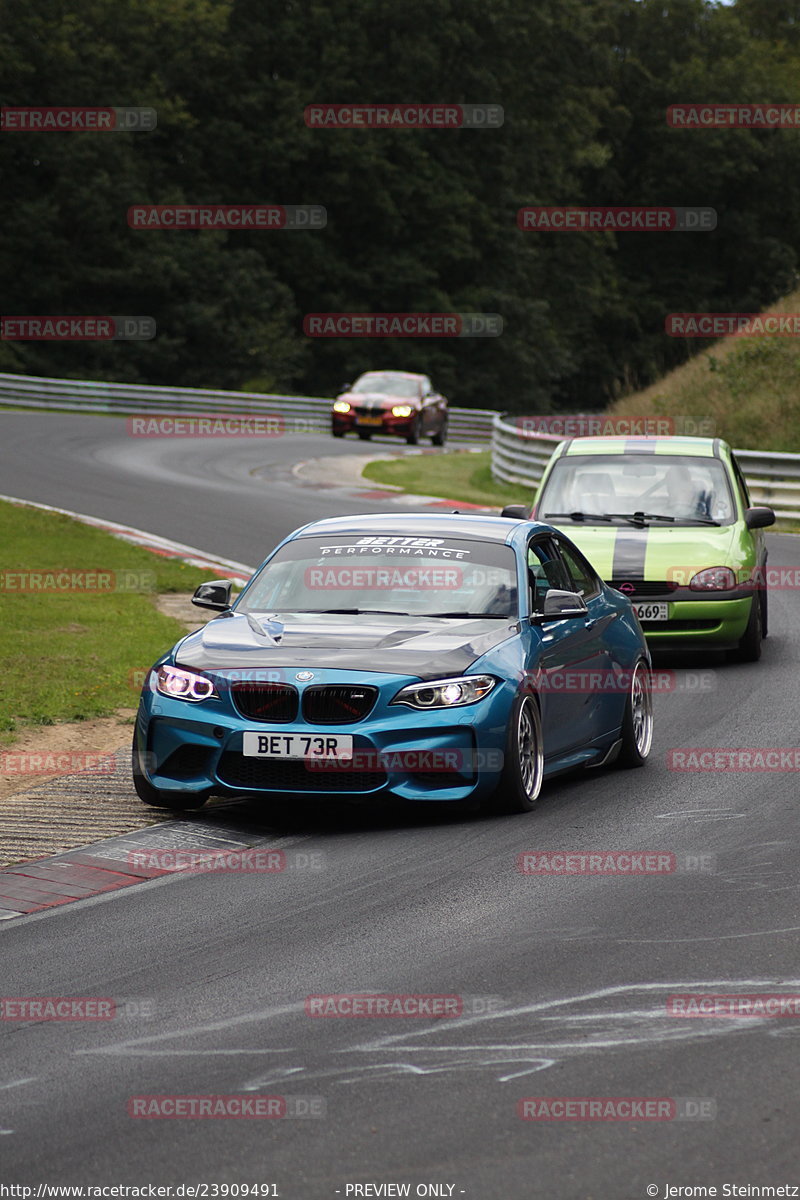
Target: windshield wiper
[
  {"x": 641, "y": 517},
  {"x": 581, "y": 516},
  {"x": 350, "y": 612},
  {"x": 477, "y": 615}
]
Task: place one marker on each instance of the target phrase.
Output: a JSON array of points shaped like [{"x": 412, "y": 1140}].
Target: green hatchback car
[{"x": 668, "y": 522}]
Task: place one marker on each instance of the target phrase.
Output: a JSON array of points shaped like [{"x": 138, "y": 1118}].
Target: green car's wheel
[
  {"x": 637, "y": 722},
  {"x": 749, "y": 648},
  {"x": 764, "y": 613}
]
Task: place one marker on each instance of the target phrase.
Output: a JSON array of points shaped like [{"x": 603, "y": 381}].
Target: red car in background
[{"x": 394, "y": 402}]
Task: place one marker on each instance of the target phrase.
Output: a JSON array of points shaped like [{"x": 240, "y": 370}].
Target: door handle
[{"x": 589, "y": 624}]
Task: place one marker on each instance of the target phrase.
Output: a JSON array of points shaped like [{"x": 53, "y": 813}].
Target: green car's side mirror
[{"x": 758, "y": 518}]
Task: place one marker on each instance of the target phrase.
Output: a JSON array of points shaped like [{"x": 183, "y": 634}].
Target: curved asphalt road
[{"x": 565, "y": 979}]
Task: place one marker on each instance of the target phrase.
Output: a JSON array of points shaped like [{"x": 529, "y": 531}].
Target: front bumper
[
  {"x": 432, "y": 755},
  {"x": 719, "y": 624},
  {"x": 393, "y": 426}
]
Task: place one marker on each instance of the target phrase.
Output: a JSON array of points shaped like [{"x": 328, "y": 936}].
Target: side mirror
[
  {"x": 757, "y": 518},
  {"x": 559, "y": 606},
  {"x": 345, "y": 388},
  {"x": 516, "y": 511},
  {"x": 214, "y": 594}
]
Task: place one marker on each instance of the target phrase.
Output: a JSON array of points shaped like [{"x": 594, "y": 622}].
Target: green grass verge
[
  {"x": 747, "y": 388},
  {"x": 68, "y": 655},
  {"x": 456, "y": 475}
]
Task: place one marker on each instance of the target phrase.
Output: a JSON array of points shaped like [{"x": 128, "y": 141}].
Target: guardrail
[
  {"x": 310, "y": 413},
  {"x": 520, "y": 456}
]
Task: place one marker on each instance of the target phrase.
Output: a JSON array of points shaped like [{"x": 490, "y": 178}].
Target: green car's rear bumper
[{"x": 715, "y": 623}]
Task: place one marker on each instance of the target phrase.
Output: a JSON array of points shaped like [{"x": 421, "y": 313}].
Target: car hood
[
  {"x": 622, "y": 552},
  {"x": 428, "y": 648},
  {"x": 378, "y": 399}
]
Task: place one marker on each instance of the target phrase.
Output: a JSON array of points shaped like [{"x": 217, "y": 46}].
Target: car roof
[
  {"x": 402, "y": 524},
  {"x": 695, "y": 447}
]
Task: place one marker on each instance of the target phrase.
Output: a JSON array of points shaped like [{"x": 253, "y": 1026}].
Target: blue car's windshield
[
  {"x": 397, "y": 574},
  {"x": 680, "y": 488}
]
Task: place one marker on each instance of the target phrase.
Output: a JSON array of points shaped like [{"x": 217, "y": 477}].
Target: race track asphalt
[{"x": 564, "y": 980}]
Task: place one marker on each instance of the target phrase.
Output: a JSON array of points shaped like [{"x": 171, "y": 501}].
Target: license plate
[
  {"x": 369, "y": 421},
  {"x": 652, "y": 612},
  {"x": 271, "y": 743}
]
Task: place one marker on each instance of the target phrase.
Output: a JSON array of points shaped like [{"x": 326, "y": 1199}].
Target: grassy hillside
[{"x": 748, "y": 387}]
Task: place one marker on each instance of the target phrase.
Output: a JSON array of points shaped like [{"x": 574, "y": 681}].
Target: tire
[
  {"x": 764, "y": 608},
  {"x": 364, "y": 434},
  {"x": 520, "y": 785},
  {"x": 749, "y": 648},
  {"x": 636, "y": 730},
  {"x": 412, "y": 437},
  {"x": 440, "y": 438},
  {"x": 337, "y": 432},
  {"x": 175, "y": 802}
]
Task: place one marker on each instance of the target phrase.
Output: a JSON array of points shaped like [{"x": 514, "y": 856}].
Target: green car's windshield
[{"x": 664, "y": 488}]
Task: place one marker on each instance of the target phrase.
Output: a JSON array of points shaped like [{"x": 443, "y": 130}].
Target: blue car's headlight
[
  {"x": 446, "y": 693},
  {"x": 184, "y": 685}
]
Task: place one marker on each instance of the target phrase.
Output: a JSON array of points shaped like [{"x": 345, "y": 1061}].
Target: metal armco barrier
[
  {"x": 520, "y": 456},
  {"x": 309, "y": 413}
]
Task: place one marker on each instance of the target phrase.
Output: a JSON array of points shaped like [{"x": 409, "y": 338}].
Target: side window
[
  {"x": 545, "y": 571},
  {"x": 744, "y": 495},
  {"x": 584, "y": 580}
]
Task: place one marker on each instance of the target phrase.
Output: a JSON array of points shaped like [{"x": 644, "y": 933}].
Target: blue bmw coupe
[{"x": 423, "y": 657}]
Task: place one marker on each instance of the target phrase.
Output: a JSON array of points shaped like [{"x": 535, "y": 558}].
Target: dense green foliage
[{"x": 417, "y": 221}]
